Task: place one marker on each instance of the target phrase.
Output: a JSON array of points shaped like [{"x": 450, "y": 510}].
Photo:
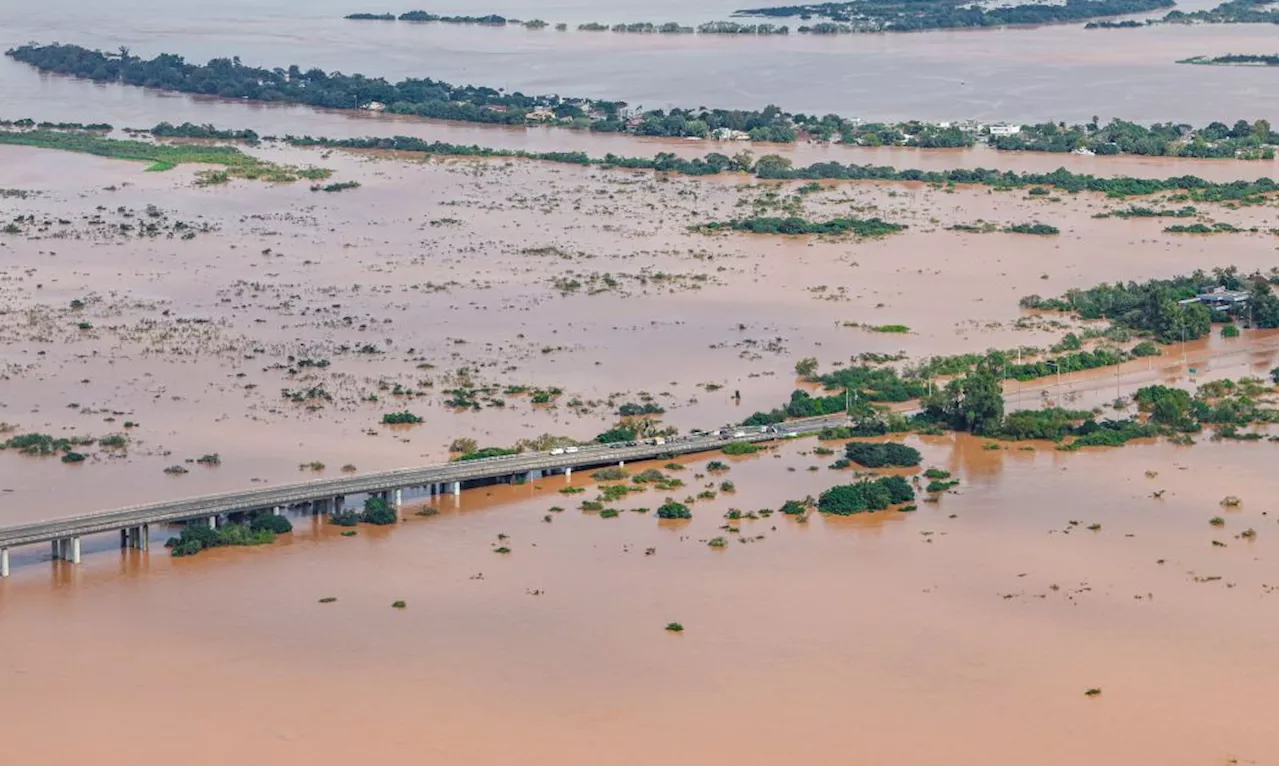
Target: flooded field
[{"x": 273, "y": 326}]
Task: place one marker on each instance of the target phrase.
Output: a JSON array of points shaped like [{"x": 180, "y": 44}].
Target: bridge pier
[
  {"x": 4, "y": 562},
  {"x": 398, "y": 499},
  {"x": 455, "y": 488},
  {"x": 568, "y": 474},
  {"x": 213, "y": 522},
  {"x": 338, "y": 502},
  {"x": 75, "y": 550}
]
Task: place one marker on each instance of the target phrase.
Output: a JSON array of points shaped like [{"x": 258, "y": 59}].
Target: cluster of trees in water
[
  {"x": 228, "y": 77},
  {"x": 27, "y": 124},
  {"x": 1155, "y": 307},
  {"x": 636, "y": 27},
  {"x": 769, "y": 166},
  {"x": 1229, "y": 12},
  {"x": 794, "y": 225},
  {"x": 896, "y": 16},
  {"x": 1235, "y": 59},
  {"x": 1251, "y": 140}
]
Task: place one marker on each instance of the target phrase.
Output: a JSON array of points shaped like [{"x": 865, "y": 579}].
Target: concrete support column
[
  {"x": 568, "y": 473},
  {"x": 456, "y": 488},
  {"x": 75, "y": 550},
  {"x": 275, "y": 510},
  {"x": 338, "y": 503},
  {"x": 4, "y": 562},
  {"x": 56, "y": 546},
  {"x": 124, "y": 538},
  {"x": 144, "y": 535},
  {"x": 398, "y": 498},
  {"x": 213, "y": 522}
]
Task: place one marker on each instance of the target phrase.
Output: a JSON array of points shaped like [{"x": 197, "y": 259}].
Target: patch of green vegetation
[
  {"x": 163, "y": 157},
  {"x": 197, "y": 536},
  {"x": 1040, "y": 229},
  {"x": 613, "y": 473},
  {"x": 866, "y": 495},
  {"x": 673, "y": 510},
  {"x": 878, "y": 455},
  {"x": 794, "y": 225}
]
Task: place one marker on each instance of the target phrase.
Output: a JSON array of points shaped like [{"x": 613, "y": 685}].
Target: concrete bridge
[{"x": 328, "y": 495}]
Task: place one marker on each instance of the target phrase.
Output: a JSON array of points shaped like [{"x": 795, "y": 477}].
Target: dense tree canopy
[{"x": 900, "y": 16}]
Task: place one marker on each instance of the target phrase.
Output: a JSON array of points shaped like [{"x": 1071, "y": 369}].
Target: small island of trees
[{"x": 888, "y": 16}]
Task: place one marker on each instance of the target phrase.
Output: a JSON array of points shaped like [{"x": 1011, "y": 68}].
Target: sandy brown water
[{"x": 964, "y": 633}]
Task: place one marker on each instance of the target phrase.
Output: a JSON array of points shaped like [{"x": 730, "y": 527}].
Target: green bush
[
  {"x": 270, "y": 523},
  {"x": 741, "y": 448},
  {"x": 400, "y": 418},
  {"x": 648, "y": 476},
  {"x": 344, "y": 519},
  {"x": 378, "y": 511},
  {"x": 878, "y": 455},
  {"x": 673, "y": 510},
  {"x": 197, "y": 536},
  {"x": 866, "y": 495},
  {"x": 793, "y": 508},
  {"x": 614, "y": 473},
  {"x": 937, "y": 473}
]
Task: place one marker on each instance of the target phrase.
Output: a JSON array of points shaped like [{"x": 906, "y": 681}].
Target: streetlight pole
[{"x": 1057, "y": 386}]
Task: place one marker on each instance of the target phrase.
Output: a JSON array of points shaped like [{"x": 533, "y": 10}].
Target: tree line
[{"x": 895, "y": 16}]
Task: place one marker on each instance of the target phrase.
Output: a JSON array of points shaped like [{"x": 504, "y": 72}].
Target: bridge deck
[{"x": 383, "y": 481}]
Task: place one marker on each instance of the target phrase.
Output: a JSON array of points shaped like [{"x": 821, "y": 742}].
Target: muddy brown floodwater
[
  {"x": 966, "y": 632},
  {"x": 274, "y": 326}
]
